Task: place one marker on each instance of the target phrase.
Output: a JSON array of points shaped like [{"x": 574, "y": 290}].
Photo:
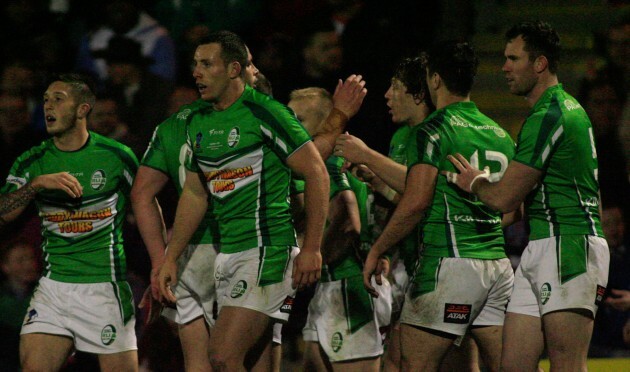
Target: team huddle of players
[{"x": 276, "y": 198}]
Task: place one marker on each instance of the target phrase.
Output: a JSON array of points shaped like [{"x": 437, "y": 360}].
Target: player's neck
[
  {"x": 544, "y": 82},
  {"x": 419, "y": 114},
  {"x": 72, "y": 139},
  {"x": 233, "y": 92},
  {"x": 448, "y": 98}
]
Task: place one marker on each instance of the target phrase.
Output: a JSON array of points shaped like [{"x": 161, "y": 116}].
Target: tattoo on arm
[{"x": 17, "y": 199}]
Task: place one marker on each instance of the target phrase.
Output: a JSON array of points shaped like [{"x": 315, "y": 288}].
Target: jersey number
[{"x": 491, "y": 156}]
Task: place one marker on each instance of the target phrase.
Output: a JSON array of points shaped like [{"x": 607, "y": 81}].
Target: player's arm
[
  {"x": 308, "y": 164},
  {"x": 414, "y": 202},
  {"x": 513, "y": 217},
  {"x": 344, "y": 227},
  {"x": 356, "y": 151},
  {"x": 147, "y": 184},
  {"x": 347, "y": 100},
  {"x": 190, "y": 211},
  {"x": 507, "y": 194},
  {"x": 297, "y": 212},
  {"x": 12, "y": 204}
]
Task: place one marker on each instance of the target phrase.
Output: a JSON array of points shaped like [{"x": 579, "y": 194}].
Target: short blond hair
[{"x": 321, "y": 104}]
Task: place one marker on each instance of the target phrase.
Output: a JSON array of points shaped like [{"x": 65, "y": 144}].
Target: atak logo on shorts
[
  {"x": 234, "y": 137},
  {"x": 287, "y": 305},
  {"x": 545, "y": 293},
  {"x": 336, "y": 341},
  {"x": 457, "y": 313},
  {"x": 239, "y": 289},
  {"x": 98, "y": 179},
  {"x": 599, "y": 294},
  {"x": 108, "y": 334},
  {"x": 30, "y": 316}
]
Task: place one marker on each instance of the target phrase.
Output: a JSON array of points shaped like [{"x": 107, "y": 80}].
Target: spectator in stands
[
  {"x": 142, "y": 97},
  {"x": 608, "y": 337},
  {"x": 126, "y": 18},
  {"x": 20, "y": 271},
  {"x": 16, "y": 135}
]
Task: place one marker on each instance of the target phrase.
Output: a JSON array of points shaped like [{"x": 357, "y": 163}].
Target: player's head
[
  {"x": 408, "y": 90},
  {"x": 68, "y": 101},
  {"x": 540, "y": 40},
  {"x": 532, "y": 50},
  {"x": 251, "y": 72},
  {"x": 451, "y": 64},
  {"x": 18, "y": 262},
  {"x": 311, "y": 106},
  {"x": 220, "y": 58}
]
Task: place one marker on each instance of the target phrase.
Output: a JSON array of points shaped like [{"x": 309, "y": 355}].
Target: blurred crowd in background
[{"x": 139, "y": 52}]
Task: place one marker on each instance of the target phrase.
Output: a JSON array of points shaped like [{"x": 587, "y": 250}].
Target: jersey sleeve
[
  {"x": 425, "y": 148},
  {"x": 338, "y": 179},
  {"x": 281, "y": 130},
  {"x": 155, "y": 156},
  {"x": 18, "y": 176},
  {"x": 539, "y": 138},
  {"x": 190, "y": 162},
  {"x": 130, "y": 168}
]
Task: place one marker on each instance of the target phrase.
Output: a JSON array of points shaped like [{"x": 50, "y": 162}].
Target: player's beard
[{"x": 66, "y": 125}]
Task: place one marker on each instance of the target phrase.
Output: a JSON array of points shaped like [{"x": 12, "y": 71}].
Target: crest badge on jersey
[
  {"x": 98, "y": 180},
  {"x": 233, "y": 137}
]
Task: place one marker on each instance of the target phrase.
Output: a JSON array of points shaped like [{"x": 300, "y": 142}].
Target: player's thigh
[
  {"x": 568, "y": 332},
  {"x": 315, "y": 359},
  {"x": 489, "y": 339},
  {"x": 44, "y": 352},
  {"x": 464, "y": 357},
  {"x": 392, "y": 352},
  {"x": 237, "y": 330},
  {"x": 126, "y": 361},
  {"x": 423, "y": 349},
  {"x": 361, "y": 365},
  {"x": 195, "y": 339},
  {"x": 523, "y": 342}
]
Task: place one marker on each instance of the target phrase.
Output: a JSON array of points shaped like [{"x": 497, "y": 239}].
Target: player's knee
[
  {"x": 31, "y": 365},
  {"x": 224, "y": 362}
]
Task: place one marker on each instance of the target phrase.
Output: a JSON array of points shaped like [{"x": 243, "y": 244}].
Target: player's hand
[
  {"x": 467, "y": 173},
  {"x": 155, "y": 284},
  {"x": 168, "y": 278},
  {"x": 619, "y": 299},
  {"x": 351, "y": 148},
  {"x": 372, "y": 267},
  {"x": 154, "y": 307},
  {"x": 307, "y": 268},
  {"x": 383, "y": 267},
  {"x": 349, "y": 95},
  {"x": 63, "y": 181}
]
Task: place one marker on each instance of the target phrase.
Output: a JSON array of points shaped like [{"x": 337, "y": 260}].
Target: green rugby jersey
[
  {"x": 557, "y": 139},
  {"x": 365, "y": 201},
  {"x": 168, "y": 152},
  {"x": 398, "y": 144},
  {"x": 241, "y": 152},
  {"x": 82, "y": 238},
  {"x": 457, "y": 224},
  {"x": 407, "y": 247},
  {"x": 349, "y": 266}
]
